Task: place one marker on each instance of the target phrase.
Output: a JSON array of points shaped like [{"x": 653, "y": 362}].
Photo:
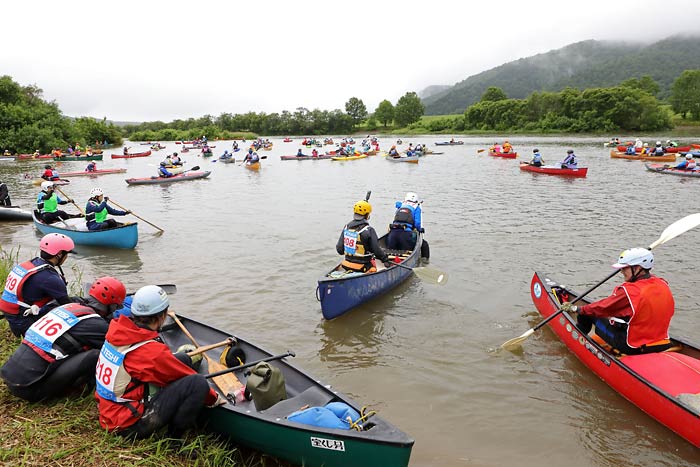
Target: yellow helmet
[{"x": 362, "y": 208}]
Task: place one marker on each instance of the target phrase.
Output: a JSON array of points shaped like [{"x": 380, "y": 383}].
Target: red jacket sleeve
[
  {"x": 616, "y": 305},
  {"x": 154, "y": 363}
]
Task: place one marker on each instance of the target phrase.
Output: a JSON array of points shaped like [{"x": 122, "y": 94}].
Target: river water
[{"x": 245, "y": 250}]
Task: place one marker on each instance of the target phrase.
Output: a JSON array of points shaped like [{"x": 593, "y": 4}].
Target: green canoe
[{"x": 378, "y": 444}]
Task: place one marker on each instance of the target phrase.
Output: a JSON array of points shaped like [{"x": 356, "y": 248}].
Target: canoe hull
[
  {"x": 621, "y": 155},
  {"x": 448, "y": 143},
  {"x": 162, "y": 180},
  {"x": 14, "y": 213},
  {"x": 94, "y": 173},
  {"x": 124, "y": 237},
  {"x": 648, "y": 396},
  {"x": 305, "y": 158},
  {"x": 658, "y": 168},
  {"x": 338, "y": 296},
  {"x": 623, "y": 148},
  {"x": 580, "y": 172},
  {"x": 409, "y": 159},
  {"x": 348, "y": 158},
  {"x": 253, "y": 166},
  {"x": 504, "y": 155},
  {"x": 271, "y": 433},
  {"x": 94, "y": 157},
  {"x": 130, "y": 156}
]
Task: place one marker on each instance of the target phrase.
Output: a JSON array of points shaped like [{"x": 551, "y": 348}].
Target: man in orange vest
[{"x": 636, "y": 317}]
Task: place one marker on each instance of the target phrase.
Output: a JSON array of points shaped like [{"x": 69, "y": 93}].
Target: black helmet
[
  {"x": 162, "y": 164},
  {"x": 47, "y": 166},
  {"x": 535, "y": 150},
  {"x": 570, "y": 151},
  {"x": 174, "y": 154}
]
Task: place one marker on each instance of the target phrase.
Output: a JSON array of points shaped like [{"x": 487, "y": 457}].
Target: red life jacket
[
  {"x": 652, "y": 308},
  {"x": 12, "y": 297}
]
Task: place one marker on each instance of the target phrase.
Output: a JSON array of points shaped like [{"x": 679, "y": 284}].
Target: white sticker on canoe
[
  {"x": 332, "y": 444},
  {"x": 537, "y": 288}
]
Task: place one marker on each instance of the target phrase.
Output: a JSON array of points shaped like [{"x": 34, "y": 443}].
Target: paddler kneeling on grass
[
  {"x": 60, "y": 350},
  {"x": 636, "y": 317},
  {"x": 359, "y": 242},
  {"x": 141, "y": 385},
  {"x": 96, "y": 211}
]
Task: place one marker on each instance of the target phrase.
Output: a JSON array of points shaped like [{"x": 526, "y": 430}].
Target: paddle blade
[
  {"x": 196, "y": 167},
  {"x": 431, "y": 275},
  {"x": 677, "y": 228},
  {"x": 481, "y": 150},
  {"x": 515, "y": 343},
  {"x": 227, "y": 383}
]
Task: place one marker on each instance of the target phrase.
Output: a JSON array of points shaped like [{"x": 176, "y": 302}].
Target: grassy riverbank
[{"x": 65, "y": 432}]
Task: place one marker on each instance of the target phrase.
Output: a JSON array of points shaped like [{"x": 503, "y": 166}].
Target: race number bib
[
  {"x": 13, "y": 279},
  {"x": 106, "y": 371},
  {"x": 350, "y": 242},
  {"x": 50, "y": 327}
]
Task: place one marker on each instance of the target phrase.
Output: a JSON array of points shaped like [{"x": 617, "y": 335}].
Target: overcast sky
[{"x": 151, "y": 60}]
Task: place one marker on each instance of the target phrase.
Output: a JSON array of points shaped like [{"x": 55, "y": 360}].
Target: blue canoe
[
  {"x": 338, "y": 295},
  {"x": 125, "y": 236}
]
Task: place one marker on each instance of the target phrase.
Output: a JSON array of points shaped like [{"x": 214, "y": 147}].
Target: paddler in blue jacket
[
  {"x": 163, "y": 172},
  {"x": 359, "y": 243},
  {"x": 96, "y": 211},
  {"x": 406, "y": 225}
]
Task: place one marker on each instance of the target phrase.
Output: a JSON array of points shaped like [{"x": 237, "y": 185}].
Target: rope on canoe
[{"x": 364, "y": 415}]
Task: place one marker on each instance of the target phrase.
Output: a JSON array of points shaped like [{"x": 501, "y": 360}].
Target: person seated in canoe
[
  {"x": 359, "y": 243},
  {"x": 175, "y": 159},
  {"x": 47, "y": 204},
  {"x": 507, "y": 147},
  {"x": 636, "y": 317},
  {"x": 658, "y": 150},
  {"x": 570, "y": 162},
  {"x": 36, "y": 286},
  {"x": 406, "y": 223},
  {"x": 537, "y": 160},
  {"x": 687, "y": 164},
  {"x": 126, "y": 151},
  {"x": 59, "y": 351},
  {"x": 7, "y": 153},
  {"x": 671, "y": 144},
  {"x": 145, "y": 365},
  {"x": 410, "y": 148},
  {"x": 452, "y": 140},
  {"x": 206, "y": 149},
  {"x": 314, "y": 152},
  {"x": 168, "y": 161},
  {"x": 225, "y": 156},
  {"x": 393, "y": 152},
  {"x": 301, "y": 154},
  {"x": 91, "y": 167},
  {"x": 36, "y": 153},
  {"x": 495, "y": 148},
  {"x": 630, "y": 149},
  {"x": 96, "y": 211},
  {"x": 419, "y": 148},
  {"x": 645, "y": 148},
  {"x": 163, "y": 172},
  {"x": 50, "y": 173},
  {"x": 4, "y": 195},
  {"x": 57, "y": 153},
  {"x": 235, "y": 145},
  {"x": 638, "y": 143}
]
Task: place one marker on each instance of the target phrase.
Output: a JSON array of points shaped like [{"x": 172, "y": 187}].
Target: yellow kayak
[
  {"x": 348, "y": 158},
  {"x": 253, "y": 166}
]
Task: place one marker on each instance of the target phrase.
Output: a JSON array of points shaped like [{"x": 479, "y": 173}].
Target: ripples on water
[{"x": 246, "y": 249}]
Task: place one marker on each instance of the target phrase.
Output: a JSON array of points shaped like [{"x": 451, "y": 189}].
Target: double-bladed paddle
[{"x": 672, "y": 231}]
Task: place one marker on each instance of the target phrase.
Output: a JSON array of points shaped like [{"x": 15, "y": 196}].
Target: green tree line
[{"x": 29, "y": 123}]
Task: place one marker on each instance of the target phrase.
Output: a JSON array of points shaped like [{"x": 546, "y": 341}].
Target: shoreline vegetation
[{"x": 66, "y": 432}]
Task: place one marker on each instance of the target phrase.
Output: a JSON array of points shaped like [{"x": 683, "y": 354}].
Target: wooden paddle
[
  {"x": 480, "y": 150},
  {"x": 228, "y": 342},
  {"x": 671, "y": 232},
  {"x": 134, "y": 214},
  {"x": 71, "y": 199},
  {"x": 227, "y": 382}
]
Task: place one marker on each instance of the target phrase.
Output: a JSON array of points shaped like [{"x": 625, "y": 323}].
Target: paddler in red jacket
[
  {"x": 140, "y": 385},
  {"x": 636, "y": 317}
]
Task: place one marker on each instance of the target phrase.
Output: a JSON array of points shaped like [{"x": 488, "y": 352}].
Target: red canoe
[
  {"x": 623, "y": 148},
  {"x": 129, "y": 156},
  {"x": 664, "y": 385},
  {"x": 580, "y": 172},
  {"x": 505, "y": 155},
  {"x": 93, "y": 173}
]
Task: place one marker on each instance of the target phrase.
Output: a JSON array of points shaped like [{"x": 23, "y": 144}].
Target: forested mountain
[{"x": 587, "y": 64}]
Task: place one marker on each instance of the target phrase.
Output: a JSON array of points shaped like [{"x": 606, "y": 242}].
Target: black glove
[
  {"x": 128, "y": 212},
  {"x": 388, "y": 264},
  {"x": 421, "y": 230},
  {"x": 106, "y": 198}
]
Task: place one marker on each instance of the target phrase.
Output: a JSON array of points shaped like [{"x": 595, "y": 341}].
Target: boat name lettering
[{"x": 332, "y": 444}]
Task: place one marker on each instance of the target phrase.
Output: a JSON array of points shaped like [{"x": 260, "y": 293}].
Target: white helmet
[
  {"x": 46, "y": 184},
  {"x": 658, "y": 143},
  {"x": 149, "y": 300},
  {"x": 412, "y": 197},
  {"x": 689, "y": 156},
  {"x": 96, "y": 192},
  {"x": 635, "y": 257}
]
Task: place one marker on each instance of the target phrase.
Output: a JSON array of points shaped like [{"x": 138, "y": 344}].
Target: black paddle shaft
[
  {"x": 289, "y": 353},
  {"x": 576, "y": 299},
  {"x": 369, "y": 193}
]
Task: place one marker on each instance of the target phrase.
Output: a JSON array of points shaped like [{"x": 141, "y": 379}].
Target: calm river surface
[{"x": 245, "y": 250}]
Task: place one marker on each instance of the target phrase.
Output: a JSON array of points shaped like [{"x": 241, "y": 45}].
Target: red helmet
[
  {"x": 108, "y": 291},
  {"x": 55, "y": 243}
]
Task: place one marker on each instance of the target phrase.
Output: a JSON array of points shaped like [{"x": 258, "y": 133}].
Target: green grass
[{"x": 65, "y": 432}]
